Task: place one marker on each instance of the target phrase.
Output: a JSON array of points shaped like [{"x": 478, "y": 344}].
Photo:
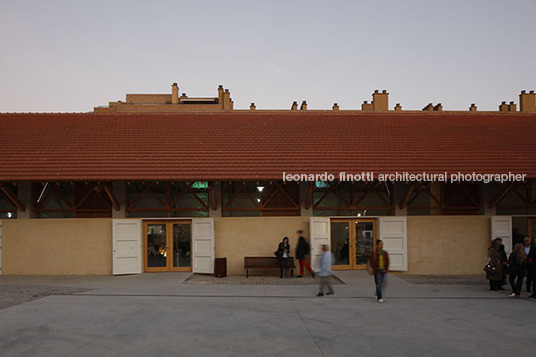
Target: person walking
[
  {"x": 531, "y": 258},
  {"x": 303, "y": 249},
  {"x": 379, "y": 261},
  {"x": 324, "y": 272},
  {"x": 495, "y": 278},
  {"x": 528, "y": 270},
  {"x": 504, "y": 263},
  {"x": 516, "y": 262},
  {"x": 283, "y": 254}
]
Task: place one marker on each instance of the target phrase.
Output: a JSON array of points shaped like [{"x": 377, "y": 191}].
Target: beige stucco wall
[
  {"x": 447, "y": 244},
  {"x": 236, "y": 238},
  {"x": 436, "y": 244},
  {"x": 57, "y": 246}
]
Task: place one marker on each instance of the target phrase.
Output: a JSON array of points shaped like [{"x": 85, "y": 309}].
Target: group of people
[
  {"x": 519, "y": 265},
  {"x": 378, "y": 262},
  {"x": 302, "y": 249}
]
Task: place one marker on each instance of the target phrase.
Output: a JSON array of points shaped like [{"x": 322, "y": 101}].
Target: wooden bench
[{"x": 267, "y": 263}]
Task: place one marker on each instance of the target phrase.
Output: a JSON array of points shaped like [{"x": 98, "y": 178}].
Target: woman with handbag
[{"x": 495, "y": 274}]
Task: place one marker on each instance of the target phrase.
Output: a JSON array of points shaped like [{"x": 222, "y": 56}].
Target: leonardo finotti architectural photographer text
[{"x": 406, "y": 176}]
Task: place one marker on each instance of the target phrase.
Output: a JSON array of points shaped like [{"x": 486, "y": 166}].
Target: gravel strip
[
  {"x": 200, "y": 279},
  {"x": 11, "y": 295}
]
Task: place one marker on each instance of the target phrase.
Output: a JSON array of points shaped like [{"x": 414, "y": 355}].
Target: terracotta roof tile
[{"x": 243, "y": 145}]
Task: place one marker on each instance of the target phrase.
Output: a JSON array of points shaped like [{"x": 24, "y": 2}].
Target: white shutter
[
  {"x": 127, "y": 256},
  {"x": 501, "y": 227},
  {"x": 203, "y": 245},
  {"x": 320, "y": 233},
  {"x": 393, "y": 233}
]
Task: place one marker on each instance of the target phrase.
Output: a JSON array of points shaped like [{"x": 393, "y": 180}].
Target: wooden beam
[
  {"x": 212, "y": 190},
  {"x": 282, "y": 189},
  {"x": 468, "y": 194},
  {"x": 12, "y": 198},
  {"x": 111, "y": 197},
  {"x": 405, "y": 199},
  {"x": 498, "y": 198},
  {"x": 85, "y": 197},
  {"x": 309, "y": 197}
]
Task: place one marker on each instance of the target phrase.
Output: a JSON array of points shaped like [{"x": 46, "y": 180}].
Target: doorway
[
  {"x": 532, "y": 227},
  {"x": 168, "y": 245},
  {"x": 352, "y": 242}
]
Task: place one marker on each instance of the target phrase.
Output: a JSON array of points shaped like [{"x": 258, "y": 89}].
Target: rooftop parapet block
[{"x": 527, "y": 101}]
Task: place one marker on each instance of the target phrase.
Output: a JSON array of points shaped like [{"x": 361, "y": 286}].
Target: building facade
[{"x": 169, "y": 183}]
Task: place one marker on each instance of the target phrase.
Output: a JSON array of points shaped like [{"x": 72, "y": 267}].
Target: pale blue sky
[{"x": 69, "y": 56}]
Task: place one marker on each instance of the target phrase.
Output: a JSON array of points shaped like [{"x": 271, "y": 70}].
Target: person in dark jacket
[
  {"x": 495, "y": 278},
  {"x": 528, "y": 247},
  {"x": 504, "y": 263},
  {"x": 516, "y": 261},
  {"x": 283, "y": 254},
  {"x": 303, "y": 249},
  {"x": 532, "y": 267}
]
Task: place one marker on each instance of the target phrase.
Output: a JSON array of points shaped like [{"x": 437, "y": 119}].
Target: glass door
[
  {"x": 156, "y": 247},
  {"x": 352, "y": 242},
  {"x": 182, "y": 245},
  {"x": 167, "y": 246},
  {"x": 340, "y": 243},
  {"x": 364, "y": 242}
]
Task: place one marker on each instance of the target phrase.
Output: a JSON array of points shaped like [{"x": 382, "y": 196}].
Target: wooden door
[
  {"x": 126, "y": 245},
  {"x": 352, "y": 242},
  {"x": 167, "y": 245},
  {"x": 319, "y": 230}
]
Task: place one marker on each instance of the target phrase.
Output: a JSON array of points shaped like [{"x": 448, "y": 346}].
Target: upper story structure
[
  {"x": 173, "y": 103},
  {"x": 170, "y": 103}
]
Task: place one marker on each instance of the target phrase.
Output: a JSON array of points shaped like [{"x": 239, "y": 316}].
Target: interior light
[{"x": 260, "y": 188}]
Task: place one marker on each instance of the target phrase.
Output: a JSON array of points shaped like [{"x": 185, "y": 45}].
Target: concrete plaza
[{"x": 159, "y": 315}]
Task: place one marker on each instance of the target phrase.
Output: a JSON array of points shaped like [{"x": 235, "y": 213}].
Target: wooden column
[
  {"x": 214, "y": 207},
  {"x": 306, "y": 200},
  {"x": 400, "y": 189},
  {"x": 119, "y": 193}
]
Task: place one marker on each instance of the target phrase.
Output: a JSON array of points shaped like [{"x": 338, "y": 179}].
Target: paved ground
[{"x": 158, "y": 315}]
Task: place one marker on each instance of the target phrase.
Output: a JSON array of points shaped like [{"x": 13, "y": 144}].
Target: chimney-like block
[
  {"x": 303, "y": 105},
  {"x": 398, "y": 107},
  {"x": 438, "y": 107},
  {"x": 503, "y": 107},
  {"x": 294, "y": 106},
  {"x": 252, "y": 106},
  {"x": 220, "y": 95},
  {"x": 512, "y": 107},
  {"x": 174, "y": 93},
  {"x": 227, "y": 103},
  {"x": 380, "y": 101},
  {"x": 527, "y": 102},
  {"x": 473, "y": 107},
  {"x": 429, "y": 108},
  {"x": 367, "y": 107},
  {"x": 335, "y": 106}
]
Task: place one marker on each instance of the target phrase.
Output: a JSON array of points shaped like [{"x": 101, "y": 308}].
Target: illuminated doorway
[{"x": 352, "y": 242}]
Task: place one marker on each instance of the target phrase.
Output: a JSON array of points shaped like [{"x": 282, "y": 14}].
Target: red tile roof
[{"x": 261, "y": 145}]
